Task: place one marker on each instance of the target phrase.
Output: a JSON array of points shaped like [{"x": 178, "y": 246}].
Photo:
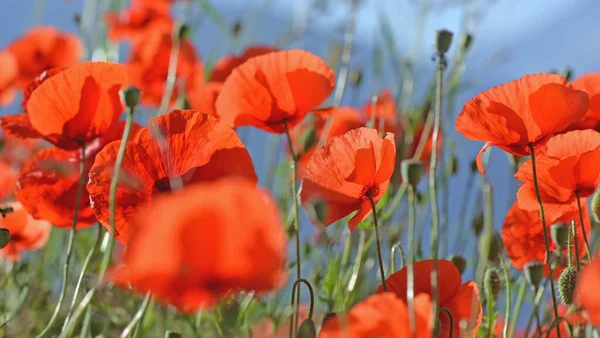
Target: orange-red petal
[{"x": 26, "y": 234}]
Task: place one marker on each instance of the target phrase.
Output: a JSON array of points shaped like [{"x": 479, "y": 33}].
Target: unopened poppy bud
[
  {"x": 466, "y": 42},
  {"x": 474, "y": 168},
  {"x": 236, "y": 29},
  {"x": 132, "y": 97},
  {"x": 534, "y": 272},
  {"x": 566, "y": 285},
  {"x": 184, "y": 32},
  {"x": 412, "y": 171},
  {"x": 560, "y": 234},
  {"x": 567, "y": 73},
  {"x": 443, "y": 40},
  {"x": 477, "y": 224},
  {"x": 173, "y": 334},
  {"x": 356, "y": 78},
  {"x": 596, "y": 206},
  {"x": 307, "y": 329},
  {"x": 4, "y": 237},
  {"x": 495, "y": 250},
  {"x": 460, "y": 262},
  {"x": 492, "y": 282},
  {"x": 452, "y": 166}
]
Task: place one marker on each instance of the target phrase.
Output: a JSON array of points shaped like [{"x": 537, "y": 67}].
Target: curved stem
[
  {"x": 545, "y": 230},
  {"x": 397, "y": 247},
  {"x": 451, "y": 321},
  {"x": 379, "y": 258},
  {"x": 410, "y": 268},
  {"x": 519, "y": 301},
  {"x": 139, "y": 315},
  {"x": 84, "y": 268},
  {"x": 295, "y": 287},
  {"x": 293, "y": 165},
  {"x": 576, "y": 241},
  {"x": 585, "y": 239},
  {"x": 435, "y": 214},
  {"x": 508, "y": 291},
  {"x": 63, "y": 291}
]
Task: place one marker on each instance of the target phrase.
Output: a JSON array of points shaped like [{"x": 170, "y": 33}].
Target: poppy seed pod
[
  {"x": 460, "y": 262},
  {"x": 443, "y": 40},
  {"x": 132, "y": 97},
  {"x": 4, "y": 237},
  {"x": 492, "y": 282},
  {"x": 307, "y": 329},
  {"x": 560, "y": 234},
  {"x": 534, "y": 272},
  {"x": 566, "y": 285},
  {"x": 596, "y": 207},
  {"x": 412, "y": 171}
]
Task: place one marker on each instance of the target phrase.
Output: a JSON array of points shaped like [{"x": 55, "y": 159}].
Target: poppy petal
[
  {"x": 465, "y": 305},
  {"x": 480, "y": 154},
  {"x": 18, "y": 126}
]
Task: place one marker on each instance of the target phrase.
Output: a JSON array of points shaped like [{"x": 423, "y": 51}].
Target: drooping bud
[
  {"x": 307, "y": 329},
  {"x": 173, "y": 334},
  {"x": 460, "y": 262},
  {"x": 4, "y": 237},
  {"x": 566, "y": 285},
  {"x": 534, "y": 272},
  {"x": 443, "y": 40},
  {"x": 412, "y": 171},
  {"x": 132, "y": 97},
  {"x": 477, "y": 224},
  {"x": 560, "y": 234},
  {"x": 492, "y": 282},
  {"x": 596, "y": 206}
]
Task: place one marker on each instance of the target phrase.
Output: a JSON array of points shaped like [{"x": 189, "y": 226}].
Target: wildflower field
[{"x": 287, "y": 185}]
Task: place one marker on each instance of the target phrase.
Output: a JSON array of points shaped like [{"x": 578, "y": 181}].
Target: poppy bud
[
  {"x": 356, "y": 78},
  {"x": 184, "y": 32},
  {"x": 566, "y": 285},
  {"x": 460, "y": 262},
  {"x": 466, "y": 42},
  {"x": 560, "y": 234},
  {"x": 492, "y": 282},
  {"x": 307, "y": 329},
  {"x": 411, "y": 171},
  {"x": 567, "y": 73},
  {"x": 534, "y": 272},
  {"x": 596, "y": 206},
  {"x": 474, "y": 166},
  {"x": 236, "y": 29},
  {"x": 173, "y": 334},
  {"x": 328, "y": 316},
  {"x": 4, "y": 237},
  {"x": 452, "y": 166},
  {"x": 132, "y": 97},
  {"x": 477, "y": 224},
  {"x": 443, "y": 40}
]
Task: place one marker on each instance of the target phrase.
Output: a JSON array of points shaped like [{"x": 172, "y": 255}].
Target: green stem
[
  {"x": 576, "y": 241},
  {"x": 293, "y": 165},
  {"x": 585, "y": 239},
  {"x": 490, "y": 307},
  {"x": 379, "y": 258},
  {"x": 435, "y": 215},
  {"x": 570, "y": 248},
  {"x": 357, "y": 261},
  {"x": 546, "y": 241},
  {"x": 172, "y": 71},
  {"x": 134, "y": 324},
  {"x": 84, "y": 268},
  {"x": 451, "y": 321},
  {"x": 296, "y": 287},
  {"x": 70, "y": 245},
  {"x": 397, "y": 247},
  {"x": 85, "y": 327},
  {"x": 519, "y": 301},
  {"x": 508, "y": 297},
  {"x": 410, "y": 268}
]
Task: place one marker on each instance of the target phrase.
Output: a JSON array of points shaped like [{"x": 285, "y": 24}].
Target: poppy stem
[
  {"x": 519, "y": 301},
  {"x": 443, "y": 309},
  {"x": 570, "y": 249},
  {"x": 435, "y": 214},
  {"x": 133, "y": 326},
  {"x": 63, "y": 290},
  {"x": 295, "y": 287},
  {"x": 545, "y": 230},
  {"x": 397, "y": 247},
  {"x": 585, "y": 238},
  {"x": 508, "y": 296},
  {"x": 378, "y": 238},
  {"x": 410, "y": 268},
  {"x": 172, "y": 70},
  {"x": 293, "y": 165},
  {"x": 576, "y": 241}
]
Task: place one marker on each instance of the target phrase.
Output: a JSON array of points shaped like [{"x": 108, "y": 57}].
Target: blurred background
[{"x": 391, "y": 44}]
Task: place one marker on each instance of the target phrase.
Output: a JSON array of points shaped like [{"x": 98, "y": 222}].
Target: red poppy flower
[
  {"x": 26, "y": 234},
  {"x": 272, "y": 89},
  {"x": 462, "y": 299},
  {"x": 385, "y": 109},
  {"x": 590, "y": 83},
  {"x": 149, "y": 66},
  {"x": 587, "y": 288},
  {"x": 194, "y": 147},
  {"x": 345, "y": 171},
  {"x": 203, "y": 97},
  {"x": 198, "y": 231},
  {"x": 306, "y": 136},
  {"x": 8, "y": 77},
  {"x": 78, "y": 104},
  {"x": 226, "y": 65},
  {"x": 138, "y": 20},
  {"x": 47, "y": 185},
  {"x": 380, "y": 315},
  {"x": 523, "y": 237},
  {"x": 568, "y": 166},
  {"x": 526, "y": 111},
  {"x": 43, "y": 48}
]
